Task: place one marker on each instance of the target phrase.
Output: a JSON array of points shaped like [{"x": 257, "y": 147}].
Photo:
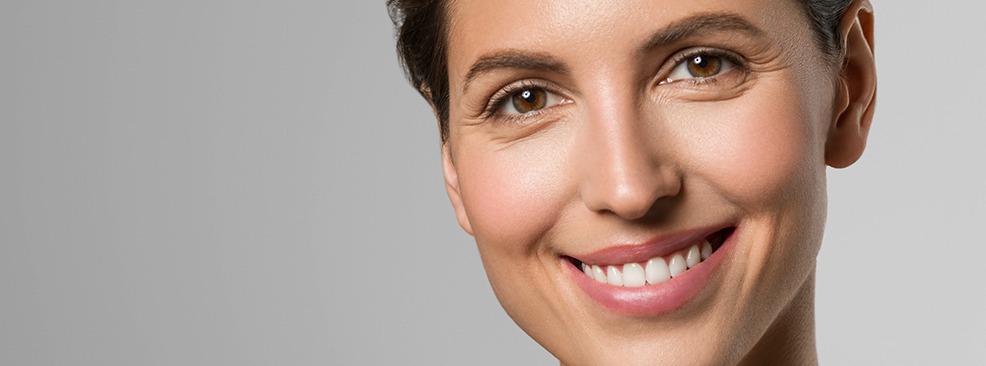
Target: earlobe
[
  {"x": 452, "y": 187},
  {"x": 856, "y": 100}
]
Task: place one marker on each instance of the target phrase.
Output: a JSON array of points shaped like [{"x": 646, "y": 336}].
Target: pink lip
[
  {"x": 642, "y": 252},
  {"x": 652, "y": 299}
]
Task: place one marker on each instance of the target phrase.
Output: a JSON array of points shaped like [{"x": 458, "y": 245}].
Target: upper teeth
[{"x": 654, "y": 271}]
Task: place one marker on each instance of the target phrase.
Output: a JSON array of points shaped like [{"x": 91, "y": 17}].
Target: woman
[{"x": 645, "y": 180}]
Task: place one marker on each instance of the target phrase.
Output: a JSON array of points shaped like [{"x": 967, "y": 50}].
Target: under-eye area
[{"x": 660, "y": 268}]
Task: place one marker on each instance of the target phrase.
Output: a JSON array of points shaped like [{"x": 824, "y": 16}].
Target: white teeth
[
  {"x": 598, "y": 274},
  {"x": 694, "y": 257},
  {"x": 657, "y": 271},
  {"x": 613, "y": 276},
  {"x": 706, "y": 250},
  {"x": 677, "y": 265},
  {"x": 633, "y": 275}
]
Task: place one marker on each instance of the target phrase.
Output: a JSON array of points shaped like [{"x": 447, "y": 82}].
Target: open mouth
[{"x": 658, "y": 269}]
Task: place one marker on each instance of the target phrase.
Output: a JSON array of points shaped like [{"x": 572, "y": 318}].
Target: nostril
[{"x": 631, "y": 195}]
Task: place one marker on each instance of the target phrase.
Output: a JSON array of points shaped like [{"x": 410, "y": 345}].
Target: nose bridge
[{"x": 626, "y": 173}]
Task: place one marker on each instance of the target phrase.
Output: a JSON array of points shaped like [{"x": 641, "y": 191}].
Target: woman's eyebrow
[
  {"x": 698, "y": 25},
  {"x": 513, "y": 59},
  {"x": 691, "y": 26}
]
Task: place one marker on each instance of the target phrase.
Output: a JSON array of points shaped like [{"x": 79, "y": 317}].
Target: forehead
[{"x": 592, "y": 32}]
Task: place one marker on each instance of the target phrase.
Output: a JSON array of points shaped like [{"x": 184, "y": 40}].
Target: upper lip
[{"x": 657, "y": 246}]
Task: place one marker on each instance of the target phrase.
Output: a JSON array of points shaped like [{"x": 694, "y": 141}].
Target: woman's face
[{"x": 636, "y": 137}]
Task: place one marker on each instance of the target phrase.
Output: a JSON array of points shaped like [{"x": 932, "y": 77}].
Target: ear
[
  {"x": 856, "y": 97},
  {"x": 448, "y": 169},
  {"x": 452, "y": 187}
]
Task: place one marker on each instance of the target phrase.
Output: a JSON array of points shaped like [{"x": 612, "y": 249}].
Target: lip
[
  {"x": 659, "y": 246},
  {"x": 651, "y": 299}
]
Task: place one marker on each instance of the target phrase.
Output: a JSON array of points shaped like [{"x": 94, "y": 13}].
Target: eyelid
[
  {"x": 503, "y": 95},
  {"x": 681, "y": 57}
]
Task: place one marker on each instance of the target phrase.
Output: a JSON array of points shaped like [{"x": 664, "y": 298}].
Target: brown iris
[
  {"x": 703, "y": 66},
  {"x": 529, "y": 100}
]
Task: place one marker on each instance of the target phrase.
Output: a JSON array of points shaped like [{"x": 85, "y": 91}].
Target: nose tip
[{"x": 630, "y": 193}]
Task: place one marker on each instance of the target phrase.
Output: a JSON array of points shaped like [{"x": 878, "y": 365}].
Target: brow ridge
[
  {"x": 674, "y": 32},
  {"x": 513, "y": 59},
  {"x": 697, "y": 25}
]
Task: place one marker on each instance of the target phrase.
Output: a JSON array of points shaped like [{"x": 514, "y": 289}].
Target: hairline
[{"x": 819, "y": 19}]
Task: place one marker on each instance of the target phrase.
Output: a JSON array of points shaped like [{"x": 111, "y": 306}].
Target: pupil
[
  {"x": 700, "y": 62},
  {"x": 529, "y": 100},
  {"x": 528, "y": 96}
]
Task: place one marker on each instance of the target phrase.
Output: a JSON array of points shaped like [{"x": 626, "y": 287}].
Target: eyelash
[
  {"x": 682, "y": 57},
  {"x": 503, "y": 95}
]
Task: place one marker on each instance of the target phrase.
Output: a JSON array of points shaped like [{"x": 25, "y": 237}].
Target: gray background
[{"x": 254, "y": 183}]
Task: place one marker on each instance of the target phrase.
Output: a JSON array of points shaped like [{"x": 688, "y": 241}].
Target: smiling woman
[{"x": 645, "y": 180}]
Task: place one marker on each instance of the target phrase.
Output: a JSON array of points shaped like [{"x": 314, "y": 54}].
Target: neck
[{"x": 790, "y": 340}]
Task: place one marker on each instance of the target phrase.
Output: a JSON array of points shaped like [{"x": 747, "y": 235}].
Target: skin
[{"x": 620, "y": 157}]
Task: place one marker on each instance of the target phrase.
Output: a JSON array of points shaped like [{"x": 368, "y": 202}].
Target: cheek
[
  {"x": 758, "y": 150},
  {"x": 512, "y": 196}
]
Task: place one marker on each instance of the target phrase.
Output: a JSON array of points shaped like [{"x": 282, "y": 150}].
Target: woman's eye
[
  {"x": 700, "y": 66},
  {"x": 529, "y": 100}
]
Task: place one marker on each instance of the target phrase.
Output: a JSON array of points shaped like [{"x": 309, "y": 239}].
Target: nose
[{"x": 626, "y": 167}]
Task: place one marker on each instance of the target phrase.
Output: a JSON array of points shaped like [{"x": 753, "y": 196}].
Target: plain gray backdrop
[{"x": 254, "y": 183}]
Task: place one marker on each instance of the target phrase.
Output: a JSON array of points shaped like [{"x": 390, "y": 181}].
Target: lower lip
[{"x": 652, "y": 299}]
